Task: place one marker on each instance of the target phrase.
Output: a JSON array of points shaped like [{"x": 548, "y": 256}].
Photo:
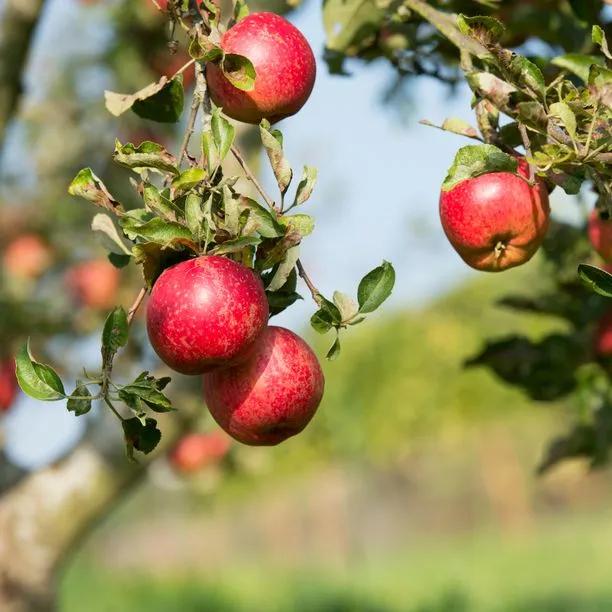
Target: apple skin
[
  {"x": 270, "y": 397},
  {"x": 284, "y": 64},
  {"x": 205, "y": 313},
  {"x": 27, "y": 256},
  {"x": 496, "y": 221},
  {"x": 600, "y": 235},
  {"x": 196, "y": 451},
  {"x": 8, "y": 384},
  {"x": 93, "y": 283},
  {"x": 602, "y": 342}
]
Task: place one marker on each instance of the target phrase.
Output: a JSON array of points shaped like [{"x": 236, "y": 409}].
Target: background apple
[
  {"x": 93, "y": 283},
  {"x": 27, "y": 256},
  {"x": 195, "y": 451}
]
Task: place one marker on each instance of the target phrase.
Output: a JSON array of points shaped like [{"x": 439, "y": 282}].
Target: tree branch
[{"x": 17, "y": 28}]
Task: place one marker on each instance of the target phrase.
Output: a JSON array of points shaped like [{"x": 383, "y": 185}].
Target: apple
[
  {"x": 8, "y": 384},
  {"x": 284, "y": 64},
  {"x": 27, "y": 256},
  {"x": 93, "y": 283},
  {"x": 496, "y": 221},
  {"x": 270, "y": 397},
  {"x": 603, "y": 336},
  {"x": 196, "y": 451},
  {"x": 206, "y": 312},
  {"x": 600, "y": 234},
  {"x": 168, "y": 65}
]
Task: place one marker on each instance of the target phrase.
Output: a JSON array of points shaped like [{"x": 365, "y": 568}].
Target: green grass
[{"x": 563, "y": 565}]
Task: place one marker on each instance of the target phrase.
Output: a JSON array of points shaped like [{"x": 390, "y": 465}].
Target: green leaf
[
  {"x": 168, "y": 234},
  {"x": 148, "y": 394},
  {"x": 146, "y": 156},
  {"x": 194, "y": 216},
  {"x": 154, "y": 259},
  {"x": 189, "y": 179},
  {"x": 235, "y": 245},
  {"x": 116, "y": 331},
  {"x": 157, "y": 203},
  {"x": 455, "y": 126},
  {"x": 599, "y": 38},
  {"x": 88, "y": 186},
  {"x": 562, "y": 111},
  {"x": 241, "y": 10},
  {"x": 596, "y": 279},
  {"x": 260, "y": 219},
  {"x": 285, "y": 296},
  {"x": 79, "y": 401},
  {"x": 232, "y": 212},
  {"x": 577, "y": 64},
  {"x": 223, "y": 132},
  {"x": 272, "y": 142},
  {"x": 141, "y": 437},
  {"x": 533, "y": 115},
  {"x": 473, "y": 160},
  {"x": 300, "y": 224},
  {"x": 528, "y": 74},
  {"x": 284, "y": 269},
  {"x": 306, "y": 185},
  {"x": 492, "y": 88},
  {"x": 375, "y": 287},
  {"x": 326, "y": 317},
  {"x": 346, "y": 305},
  {"x": 334, "y": 351},
  {"x": 484, "y": 29},
  {"x": 37, "y": 380},
  {"x": 350, "y": 23},
  {"x": 119, "y": 261},
  {"x": 239, "y": 71},
  {"x": 111, "y": 239},
  {"x": 117, "y": 103},
  {"x": 166, "y": 106}
]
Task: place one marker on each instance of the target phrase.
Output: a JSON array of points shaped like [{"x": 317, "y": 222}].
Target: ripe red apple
[
  {"x": 602, "y": 342},
  {"x": 600, "y": 234},
  {"x": 93, "y": 283},
  {"x": 271, "y": 396},
  {"x": 27, "y": 256},
  {"x": 8, "y": 384},
  {"x": 205, "y": 313},
  {"x": 284, "y": 64},
  {"x": 496, "y": 221},
  {"x": 196, "y": 451}
]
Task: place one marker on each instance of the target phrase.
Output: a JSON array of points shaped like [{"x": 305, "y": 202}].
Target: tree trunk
[
  {"x": 44, "y": 516},
  {"x": 17, "y": 27}
]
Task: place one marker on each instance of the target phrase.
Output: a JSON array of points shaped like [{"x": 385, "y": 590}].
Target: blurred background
[{"x": 414, "y": 488}]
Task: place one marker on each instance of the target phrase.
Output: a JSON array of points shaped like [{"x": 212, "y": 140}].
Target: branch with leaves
[{"x": 192, "y": 209}]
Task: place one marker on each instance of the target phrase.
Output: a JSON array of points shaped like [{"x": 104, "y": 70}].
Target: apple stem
[
  {"x": 527, "y": 145},
  {"x": 316, "y": 294},
  {"x": 136, "y": 305},
  {"x": 500, "y": 247},
  {"x": 240, "y": 159}
]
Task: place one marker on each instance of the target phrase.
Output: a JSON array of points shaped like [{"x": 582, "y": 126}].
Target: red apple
[
  {"x": 600, "y": 234},
  {"x": 93, "y": 283},
  {"x": 198, "y": 450},
  {"x": 271, "y": 396},
  {"x": 205, "y": 313},
  {"x": 603, "y": 336},
  {"x": 168, "y": 65},
  {"x": 496, "y": 221},
  {"x": 8, "y": 384},
  {"x": 284, "y": 64},
  {"x": 27, "y": 256}
]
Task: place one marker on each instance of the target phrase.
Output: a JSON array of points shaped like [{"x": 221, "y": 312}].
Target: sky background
[{"x": 379, "y": 178}]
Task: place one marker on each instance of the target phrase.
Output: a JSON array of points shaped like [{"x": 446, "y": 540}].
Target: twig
[
  {"x": 110, "y": 405},
  {"x": 316, "y": 294},
  {"x": 269, "y": 201},
  {"x": 527, "y": 145},
  {"x": 136, "y": 305},
  {"x": 195, "y": 105}
]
